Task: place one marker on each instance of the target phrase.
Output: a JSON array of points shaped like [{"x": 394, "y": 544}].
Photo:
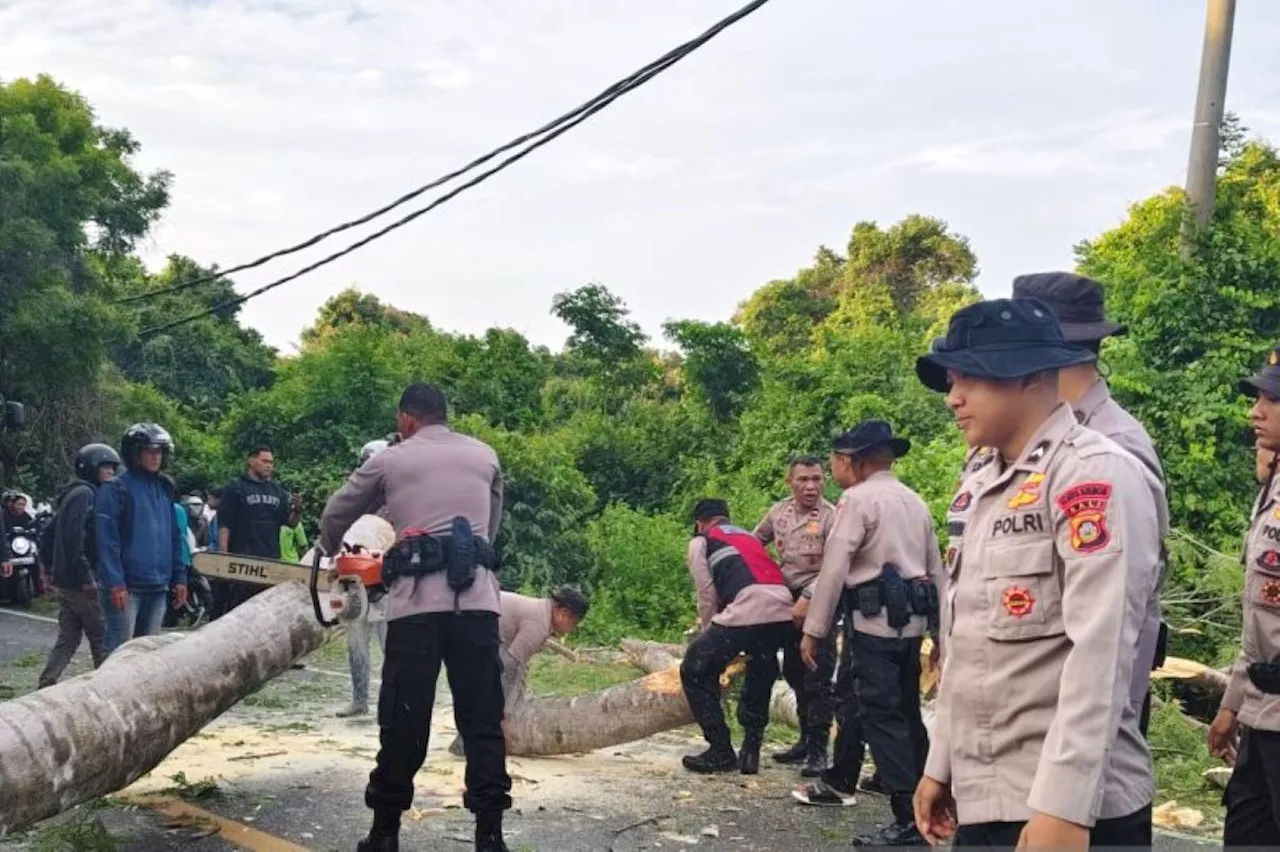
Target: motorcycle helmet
[
  {"x": 90, "y": 457},
  {"x": 140, "y": 436},
  {"x": 194, "y": 506},
  {"x": 371, "y": 449}
]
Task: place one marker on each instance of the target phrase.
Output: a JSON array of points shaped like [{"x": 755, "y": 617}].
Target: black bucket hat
[
  {"x": 1000, "y": 339},
  {"x": 710, "y": 508},
  {"x": 868, "y": 434},
  {"x": 1268, "y": 378},
  {"x": 1077, "y": 301}
]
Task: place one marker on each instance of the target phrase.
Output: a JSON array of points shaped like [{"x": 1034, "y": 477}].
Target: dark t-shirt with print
[{"x": 252, "y": 512}]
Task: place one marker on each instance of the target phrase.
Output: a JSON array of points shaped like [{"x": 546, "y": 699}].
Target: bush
[{"x": 640, "y": 584}]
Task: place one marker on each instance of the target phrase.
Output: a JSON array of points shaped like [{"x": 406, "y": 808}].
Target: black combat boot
[
  {"x": 749, "y": 754},
  {"x": 489, "y": 833},
  {"x": 796, "y": 754},
  {"x": 714, "y": 759},
  {"x": 897, "y": 834},
  {"x": 902, "y": 832},
  {"x": 815, "y": 759},
  {"x": 385, "y": 834}
]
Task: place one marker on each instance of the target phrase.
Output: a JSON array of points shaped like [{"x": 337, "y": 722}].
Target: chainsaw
[{"x": 355, "y": 578}]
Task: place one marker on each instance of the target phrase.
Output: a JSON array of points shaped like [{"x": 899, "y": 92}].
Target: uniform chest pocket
[{"x": 1024, "y": 593}]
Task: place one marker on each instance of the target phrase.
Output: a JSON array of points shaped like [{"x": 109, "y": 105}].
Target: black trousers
[
  {"x": 887, "y": 684},
  {"x": 707, "y": 658},
  {"x": 1252, "y": 796},
  {"x": 1133, "y": 830},
  {"x": 815, "y": 696},
  {"x": 467, "y": 644},
  {"x": 850, "y": 747}
]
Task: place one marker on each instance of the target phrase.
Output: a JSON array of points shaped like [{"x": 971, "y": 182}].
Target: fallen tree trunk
[
  {"x": 97, "y": 733},
  {"x": 621, "y": 714}
]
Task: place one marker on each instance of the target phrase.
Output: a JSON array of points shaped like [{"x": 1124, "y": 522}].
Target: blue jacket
[{"x": 148, "y": 556}]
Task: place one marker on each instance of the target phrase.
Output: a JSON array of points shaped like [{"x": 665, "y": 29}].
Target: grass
[
  {"x": 29, "y": 661},
  {"x": 44, "y": 605},
  {"x": 268, "y": 700},
  {"x": 203, "y": 790},
  {"x": 1181, "y": 757},
  {"x": 81, "y": 835},
  {"x": 554, "y": 675}
]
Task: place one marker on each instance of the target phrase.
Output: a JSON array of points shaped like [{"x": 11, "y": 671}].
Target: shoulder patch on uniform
[
  {"x": 1269, "y": 560},
  {"x": 1085, "y": 505},
  {"x": 1270, "y": 592},
  {"x": 1029, "y": 493},
  {"x": 962, "y": 501}
]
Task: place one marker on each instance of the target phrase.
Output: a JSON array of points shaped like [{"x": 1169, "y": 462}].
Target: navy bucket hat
[
  {"x": 1077, "y": 301},
  {"x": 1267, "y": 379},
  {"x": 869, "y": 434},
  {"x": 1000, "y": 339}
]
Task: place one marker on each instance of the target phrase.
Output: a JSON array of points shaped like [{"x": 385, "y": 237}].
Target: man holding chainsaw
[{"x": 443, "y": 494}]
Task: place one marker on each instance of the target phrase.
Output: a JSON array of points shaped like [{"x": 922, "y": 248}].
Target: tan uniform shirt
[
  {"x": 1049, "y": 562},
  {"x": 878, "y": 521},
  {"x": 798, "y": 534},
  {"x": 425, "y": 482},
  {"x": 1097, "y": 410},
  {"x": 1261, "y": 637},
  {"x": 525, "y": 625},
  {"x": 756, "y": 604}
]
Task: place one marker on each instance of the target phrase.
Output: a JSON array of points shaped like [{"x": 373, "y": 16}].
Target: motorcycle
[
  {"x": 20, "y": 586},
  {"x": 199, "y": 606}
]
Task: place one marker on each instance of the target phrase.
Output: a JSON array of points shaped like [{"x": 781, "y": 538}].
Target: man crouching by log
[
  {"x": 525, "y": 626},
  {"x": 744, "y": 607},
  {"x": 443, "y": 494}
]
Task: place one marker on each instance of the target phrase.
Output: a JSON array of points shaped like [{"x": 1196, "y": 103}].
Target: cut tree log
[
  {"x": 98, "y": 733},
  {"x": 1211, "y": 680},
  {"x": 620, "y": 714}
]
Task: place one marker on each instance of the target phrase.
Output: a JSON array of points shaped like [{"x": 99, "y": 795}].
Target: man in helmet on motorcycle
[
  {"x": 73, "y": 558},
  {"x": 139, "y": 543}
]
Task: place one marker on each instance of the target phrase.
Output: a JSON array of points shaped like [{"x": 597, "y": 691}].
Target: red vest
[{"x": 738, "y": 559}]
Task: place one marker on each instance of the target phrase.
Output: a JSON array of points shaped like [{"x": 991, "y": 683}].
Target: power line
[{"x": 569, "y": 119}]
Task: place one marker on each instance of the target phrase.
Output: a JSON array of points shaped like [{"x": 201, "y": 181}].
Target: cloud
[{"x": 280, "y": 118}]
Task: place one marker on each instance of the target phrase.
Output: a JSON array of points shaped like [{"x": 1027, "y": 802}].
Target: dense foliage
[{"x": 606, "y": 443}]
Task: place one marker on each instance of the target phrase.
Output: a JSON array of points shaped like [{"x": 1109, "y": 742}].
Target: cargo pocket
[{"x": 1024, "y": 596}]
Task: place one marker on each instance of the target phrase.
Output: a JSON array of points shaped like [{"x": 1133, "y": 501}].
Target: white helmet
[{"x": 371, "y": 449}]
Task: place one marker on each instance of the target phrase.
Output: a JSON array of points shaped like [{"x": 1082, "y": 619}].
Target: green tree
[
  {"x": 70, "y": 203},
  {"x": 718, "y": 364}
]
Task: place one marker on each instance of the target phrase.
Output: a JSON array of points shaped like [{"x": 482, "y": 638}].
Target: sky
[{"x": 1027, "y": 127}]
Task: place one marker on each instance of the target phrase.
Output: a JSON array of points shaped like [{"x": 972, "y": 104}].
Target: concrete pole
[{"x": 1202, "y": 169}]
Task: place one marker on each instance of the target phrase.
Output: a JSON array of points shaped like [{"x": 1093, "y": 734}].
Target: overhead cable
[{"x": 548, "y": 131}]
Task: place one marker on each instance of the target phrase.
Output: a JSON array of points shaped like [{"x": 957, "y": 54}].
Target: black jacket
[{"x": 74, "y": 553}]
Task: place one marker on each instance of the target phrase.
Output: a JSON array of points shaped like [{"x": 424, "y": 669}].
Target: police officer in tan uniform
[
  {"x": 1252, "y": 699},
  {"x": 798, "y": 527},
  {"x": 881, "y": 561},
  {"x": 442, "y": 492},
  {"x": 1078, "y": 302},
  {"x": 1049, "y": 561}
]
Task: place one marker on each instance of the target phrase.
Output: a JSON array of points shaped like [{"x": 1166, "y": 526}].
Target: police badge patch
[
  {"x": 1270, "y": 592},
  {"x": 962, "y": 501},
  {"x": 1018, "y": 602}
]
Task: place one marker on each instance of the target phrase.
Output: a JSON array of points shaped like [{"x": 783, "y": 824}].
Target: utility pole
[{"x": 1202, "y": 169}]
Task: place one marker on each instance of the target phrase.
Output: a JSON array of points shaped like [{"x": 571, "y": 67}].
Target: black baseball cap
[{"x": 1077, "y": 301}]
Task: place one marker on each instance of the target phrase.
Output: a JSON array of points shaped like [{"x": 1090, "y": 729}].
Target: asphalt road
[{"x": 613, "y": 806}]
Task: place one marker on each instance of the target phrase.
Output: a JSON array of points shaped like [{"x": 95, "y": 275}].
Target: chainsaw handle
[{"x": 315, "y": 591}]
